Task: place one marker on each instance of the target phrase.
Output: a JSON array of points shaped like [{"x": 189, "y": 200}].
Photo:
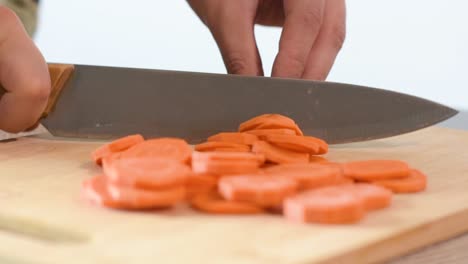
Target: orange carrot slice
[
  {"x": 267, "y": 121},
  {"x": 261, "y": 158},
  {"x": 252, "y": 123},
  {"x": 308, "y": 176},
  {"x": 99, "y": 154},
  {"x": 162, "y": 148},
  {"x": 342, "y": 180},
  {"x": 372, "y": 170},
  {"x": 195, "y": 191},
  {"x": 216, "y": 145},
  {"x": 225, "y": 167},
  {"x": 278, "y": 155},
  {"x": 416, "y": 182},
  {"x": 134, "y": 198},
  {"x": 329, "y": 205},
  {"x": 317, "y": 159},
  {"x": 237, "y": 149},
  {"x": 151, "y": 173},
  {"x": 125, "y": 142},
  {"x": 272, "y": 124},
  {"x": 213, "y": 203},
  {"x": 234, "y": 137},
  {"x": 323, "y": 146},
  {"x": 226, "y": 156},
  {"x": 293, "y": 142},
  {"x": 94, "y": 189},
  {"x": 374, "y": 197},
  {"x": 99, "y": 191},
  {"x": 265, "y": 191},
  {"x": 115, "y": 146},
  {"x": 201, "y": 183},
  {"x": 260, "y": 133},
  {"x": 202, "y": 179}
]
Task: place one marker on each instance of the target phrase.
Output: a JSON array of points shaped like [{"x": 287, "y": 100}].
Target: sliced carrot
[
  {"x": 329, "y": 205},
  {"x": 252, "y": 123},
  {"x": 213, "y": 203},
  {"x": 116, "y": 155},
  {"x": 265, "y": 191},
  {"x": 416, "y": 182},
  {"x": 374, "y": 197},
  {"x": 125, "y": 142},
  {"x": 151, "y": 173},
  {"x": 99, "y": 154},
  {"x": 261, "y": 158},
  {"x": 162, "y": 148},
  {"x": 195, "y": 191},
  {"x": 226, "y": 156},
  {"x": 234, "y": 137},
  {"x": 94, "y": 189},
  {"x": 134, "y": 198},
  {"x": 260, "y": 133},
  {"x": 293, "y": 142},
  {"x": 317, "y": 159},
  {"x": 308, "y": 175},
  {"x": 372, "y": 170},
  {"x": 235, "y": 149},
  {"x": 195, "y": 180},
  {"x": 267, "y": 166},
  {"x": 217, "y": 145},
  {"x": 277, "y": 210},
  {"x": 323, "y": 146},
  {"x": 298, "y": 130},
  {"x": 98, "y": 190},
  {"x": 201, "y": 183},
  {"x": 225, "y": 167},
  {"x": 220, "y": 163},
  {"x": 342, "y": 180},
  {"x": 115, "y": 146},
  {"x": 278, "y": 155},
  {"x": 268, "y": 121},
  {"x": 272, "y": 124}
]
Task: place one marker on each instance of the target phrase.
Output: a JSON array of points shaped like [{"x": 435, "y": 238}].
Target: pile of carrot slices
[{"x": 267, "y": 166}]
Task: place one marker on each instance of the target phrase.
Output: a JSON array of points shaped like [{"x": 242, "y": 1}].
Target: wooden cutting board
[{"x": 46, "y": 220}]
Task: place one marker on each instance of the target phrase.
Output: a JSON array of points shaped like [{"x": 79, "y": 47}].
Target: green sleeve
[{"x": 26, "y": 11}]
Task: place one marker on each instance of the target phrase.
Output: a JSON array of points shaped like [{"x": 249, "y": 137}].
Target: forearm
[{"x": 26, "y": 10}]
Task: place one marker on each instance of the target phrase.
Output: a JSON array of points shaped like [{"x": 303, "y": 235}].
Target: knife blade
[{"x": 109, "y": 102}]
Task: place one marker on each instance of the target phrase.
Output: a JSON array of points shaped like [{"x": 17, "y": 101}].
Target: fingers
[
  {"x": 313, "y": 33},
  {"x": 270, "y": 13},
  {"x": 233, "y": 31},
  {"x": 329, "y": 41},
  {"x": 23, "y": 74},
  {"x": 232, "y": 26},
  {"x": 303, "y": 19}
]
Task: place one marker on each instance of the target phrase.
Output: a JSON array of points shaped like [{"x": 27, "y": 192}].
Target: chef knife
[{"x": 109, "y": 102}]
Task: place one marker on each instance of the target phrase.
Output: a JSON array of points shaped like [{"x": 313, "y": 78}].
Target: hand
[
  {"x": 313, "y": 34},
  {"x": 23, "y": 73}
]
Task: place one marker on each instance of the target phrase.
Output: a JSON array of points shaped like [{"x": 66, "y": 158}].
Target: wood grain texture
[
  {"x": 40, "y": 180},
  {"x": 453, "y": 251}
]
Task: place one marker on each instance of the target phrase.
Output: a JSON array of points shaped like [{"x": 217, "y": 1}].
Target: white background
[{"x": 418, "y": 47}]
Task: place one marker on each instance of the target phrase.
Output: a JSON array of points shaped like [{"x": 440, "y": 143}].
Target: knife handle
[{"x": 59, "y": 75}]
